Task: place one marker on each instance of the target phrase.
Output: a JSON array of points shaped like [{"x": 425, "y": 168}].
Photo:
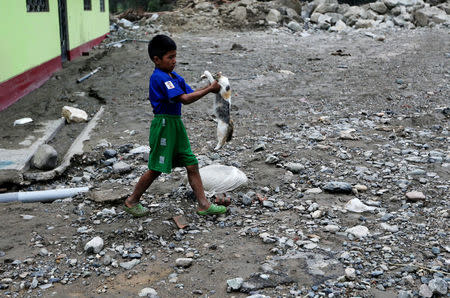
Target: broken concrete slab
[
  {"x": 75, "y": 149},
  {"x": 13, "y": 162}
]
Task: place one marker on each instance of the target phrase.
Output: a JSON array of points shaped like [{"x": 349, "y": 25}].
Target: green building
[{"x": 38, "y": 35}]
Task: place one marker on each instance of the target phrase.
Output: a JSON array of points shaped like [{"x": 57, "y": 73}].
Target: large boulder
[
  {"x": 390, "y": 3},
  {"x": 339, "y": 26},
  {"x": 239, "y": 14},
  {"x": 45, "y": 158},
  {"x": 324, "y": 6},
  {"x": 424, "y": 16},
  {"x": 353, "y": 14},
  {"x": 292, "y": 4},
  {"x": 274, "y": 16},
  {"x": 379, "y": 7}
]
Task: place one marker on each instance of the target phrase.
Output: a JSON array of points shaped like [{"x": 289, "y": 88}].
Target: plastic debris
[
  {"x": 22, "y": 121},
  {"x": 355, "y": 205},
  {"x": 220, "y": 179}
]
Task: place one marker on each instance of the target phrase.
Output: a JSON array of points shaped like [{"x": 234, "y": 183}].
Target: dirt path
[{"x": 292, "y": 95}]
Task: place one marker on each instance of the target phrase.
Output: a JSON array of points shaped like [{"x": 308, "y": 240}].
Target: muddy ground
[{"x": 282, "y": 84}]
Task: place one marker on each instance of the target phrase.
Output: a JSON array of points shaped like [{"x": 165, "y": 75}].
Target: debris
[
  {"x": 220, "y": 179},
  {"x": 22, "y": 121},
  {"x": 88, "y": 75},
  {"x": 74, "y": 115},
  {"x": 180, "y": 221},
  {"x": 41, "y": 195}
]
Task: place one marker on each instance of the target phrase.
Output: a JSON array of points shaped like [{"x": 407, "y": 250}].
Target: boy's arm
[{"x": 197, "y": 94}]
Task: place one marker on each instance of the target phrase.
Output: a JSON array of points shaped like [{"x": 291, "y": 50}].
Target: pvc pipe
[
  {"x": 88, "y": 75},
  {"x": 42, "y": 195}
]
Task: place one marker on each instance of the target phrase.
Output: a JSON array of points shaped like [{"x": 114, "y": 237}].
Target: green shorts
[{"x": 169, "y": 144}]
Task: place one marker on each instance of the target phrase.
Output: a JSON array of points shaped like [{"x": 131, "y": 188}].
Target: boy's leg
[
  {"x": 195, "y": 181},
  {"x": 144, "y": 182}
]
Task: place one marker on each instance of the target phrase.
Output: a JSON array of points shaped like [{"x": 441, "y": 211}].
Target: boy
[{"x": 168, "y": 139}]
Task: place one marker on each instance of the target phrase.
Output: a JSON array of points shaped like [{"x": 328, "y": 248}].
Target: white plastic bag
[{"x": 220, "y": 179}]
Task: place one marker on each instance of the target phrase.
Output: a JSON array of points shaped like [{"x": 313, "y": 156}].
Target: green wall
[
  {"x": 28, "y": 39},
  {"x": 86, "y": 25}
]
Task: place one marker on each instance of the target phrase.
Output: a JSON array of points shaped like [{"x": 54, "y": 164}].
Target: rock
[
  {"x": 294, "y": 26},
  {"x": 425, "y": 291},
  {"x": 379, "y": 7},
  {"x": 110, "y": 153},
  {"x": 390, "y": 3},
  {"x": 295, "y": 167},
  {"x": 360, "y": 187},
  {"x": 235, "y": 284},
  {"x": 324, "y": 21},
  {"x": 338, "y": 27},
  {"x": 129, "y": 265},
  {"x": 239, "y": 14},
  {"x": 350, "y": 273},
  {"x": 355, "y": 205},
  {"x": 332, "y": 228},
  {"x": 183, "y": 262},
  {"x": 433, "y": 14},
  {"x": 272, "y": 159},
  {"x": 94, "y": 246},
  {"x": 43, "y": 252},
  {"x": 389, "y": 228},
  {"x": 274, "y": 16},
  {"x": 121, "y": 167},
  {"x": 313, "y": 191},
  {"x": 415, "y": 196},
  {"x": 326, "y": 6},
  {"x": 404, "y": 294},
  {"x": 74, "y": 115},
  {"x": 45, "y": 158},
  {"x": 148, "y": 292},
  {"x": 338, "y": 187},
  {"x": 364, "y": 24},
  {"x": 358, "y": 231},
  {"x": 438, "y": 286}
]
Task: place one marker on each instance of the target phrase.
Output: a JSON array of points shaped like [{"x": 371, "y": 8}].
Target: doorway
[{"x": 63, "y": 32}]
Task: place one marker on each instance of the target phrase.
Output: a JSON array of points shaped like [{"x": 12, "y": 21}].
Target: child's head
[{"x": 162, "y": 50}]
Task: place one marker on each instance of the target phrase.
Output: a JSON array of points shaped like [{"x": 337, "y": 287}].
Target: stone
[
  {"x": 389, "y": 228},
  {"x": 438, "y": 286},
  {"x": 183, "y": 262},
  {"x": 426, "y": 15},
  {"x": 94, "y": 246},
  {"x": 294, "y": 26},
  {"x": 425, "y": 291},
  {"x": 45, "y": 158},
  {"x": 350, "y": 273},
  {"x": 358, "y": 231},
  {"x": 148, "y": 292},
  {"x": 235, "y": 284},
  {"x": 110, "y": 153},
  {"x": 129, "y": 265},
  {"x": 121, "y": 167},
  {"x": 74, "y": 115},
  {"x": 332, "y": 228},
  {"x": 379, "y": 7},
  {"x": 272, "y": 159},
  {"x": 43, "y": 252},
  {"x": 338, "y": 27},
  {"x": 324, "y": 21},
  {"x": 239, "y": 14},
  {"x": 338, "y": 187},
  {"x": 326, "y": 6},
  {"x": 295, "y": 167},
  {"x": 363, "y": 24},
  {"x": 313, "y": 191},
  {"x": 415, "y": 196},
  {"x": 390, "y": 3},
  {"x": 273, "y": 16}
]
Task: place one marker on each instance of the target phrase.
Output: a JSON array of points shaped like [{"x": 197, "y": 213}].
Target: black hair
[{"x": 160, "y": 45}]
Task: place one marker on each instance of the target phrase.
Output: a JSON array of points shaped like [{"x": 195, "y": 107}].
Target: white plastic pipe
[{"x": 41, "y": 195}]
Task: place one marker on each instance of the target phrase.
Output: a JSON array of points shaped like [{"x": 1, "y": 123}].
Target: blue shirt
[{"x": 163, "y": 88}]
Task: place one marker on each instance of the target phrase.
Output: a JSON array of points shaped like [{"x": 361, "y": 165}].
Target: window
[
  {"x": 37, "y": 5},
  {"x": 87, "y": 5},
  {"x": 102, "y": 5}
]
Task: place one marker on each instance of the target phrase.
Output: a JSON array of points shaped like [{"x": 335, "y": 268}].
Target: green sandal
[
  {"x": 213, "y": 210},
  {"x": 137, "y": 210}
]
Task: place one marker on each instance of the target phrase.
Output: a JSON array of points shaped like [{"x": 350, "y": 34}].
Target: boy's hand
[{"x": 214, "y": 87}]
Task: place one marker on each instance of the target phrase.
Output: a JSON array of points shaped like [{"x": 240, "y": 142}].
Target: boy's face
[{"x": 167, "y": 62}]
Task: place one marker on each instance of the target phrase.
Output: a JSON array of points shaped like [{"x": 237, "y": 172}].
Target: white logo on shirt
[{"x": 169, "y": 85}]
